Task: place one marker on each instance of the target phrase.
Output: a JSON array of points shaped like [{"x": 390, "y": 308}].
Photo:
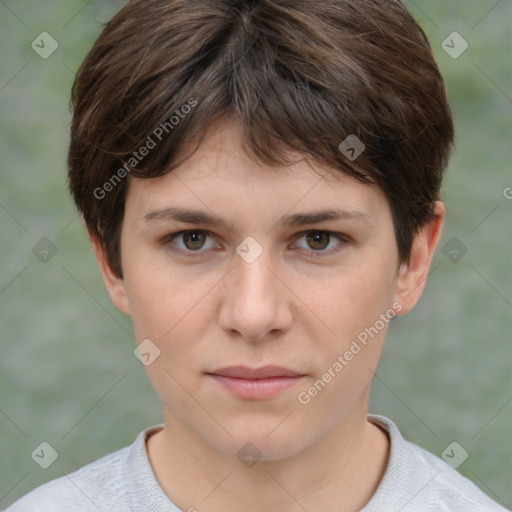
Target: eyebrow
[{"x": 189, "y": 216}]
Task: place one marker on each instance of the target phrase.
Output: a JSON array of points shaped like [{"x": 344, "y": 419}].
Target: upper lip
[{"x": 244, "y": 372}]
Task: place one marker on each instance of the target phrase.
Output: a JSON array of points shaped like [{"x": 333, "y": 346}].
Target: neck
[{"x": 343, "y": 469}]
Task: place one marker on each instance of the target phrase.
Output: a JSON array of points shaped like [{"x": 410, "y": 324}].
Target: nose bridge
[
  {"x": 254, "y": 304},
  {"x": 254, "y": 282}
]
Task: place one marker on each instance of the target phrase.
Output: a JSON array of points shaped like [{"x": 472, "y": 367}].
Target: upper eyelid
[{"x": 303, "y": 232}]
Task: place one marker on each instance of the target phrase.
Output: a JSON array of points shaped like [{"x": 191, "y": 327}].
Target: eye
[
  {"x": 193, "y": 240},
  {"x": 320, "y": 240}
]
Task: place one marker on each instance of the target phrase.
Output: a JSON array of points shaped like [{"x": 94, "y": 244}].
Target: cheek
[
  {"x": 171, "y": 312},
  {"x": 162, "y": 301},
  {"x": 352, "y": 299},
  {"x": 171, "y": 307},
  {"x": 356, "y": 308}
]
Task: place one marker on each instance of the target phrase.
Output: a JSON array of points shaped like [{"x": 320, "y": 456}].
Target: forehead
[{"x": 221, "y": 176}]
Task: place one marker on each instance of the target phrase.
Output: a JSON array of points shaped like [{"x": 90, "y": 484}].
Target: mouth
[{"x": 256, "y": 383}]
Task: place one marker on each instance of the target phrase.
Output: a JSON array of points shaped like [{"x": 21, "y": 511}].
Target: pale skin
[{"x": 286, "y": 308}]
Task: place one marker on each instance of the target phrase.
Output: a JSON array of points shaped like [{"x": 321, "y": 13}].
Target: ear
[
  {"x": 115, "y": 285},
  {"x": 412, "y": 275}
]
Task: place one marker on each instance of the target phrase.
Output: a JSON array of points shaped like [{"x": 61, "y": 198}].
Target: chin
[{"x": 260, "y": 441}]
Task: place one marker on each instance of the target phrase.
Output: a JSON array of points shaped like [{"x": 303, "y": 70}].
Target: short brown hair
[{"x": 301, "y": 75}]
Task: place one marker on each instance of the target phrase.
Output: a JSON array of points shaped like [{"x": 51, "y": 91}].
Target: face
[{"x": 260, "y": 288}]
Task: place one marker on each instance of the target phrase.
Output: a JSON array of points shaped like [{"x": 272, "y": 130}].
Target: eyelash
[{"x": 194, "y": 254}]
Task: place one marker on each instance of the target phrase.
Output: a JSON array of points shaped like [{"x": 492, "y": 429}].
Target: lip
[
  {"x": 256, "y": 383},
  {"x": 244, "y": 372}
]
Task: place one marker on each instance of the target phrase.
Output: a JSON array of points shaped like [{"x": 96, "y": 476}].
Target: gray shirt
[{"x": 123, "y": 481}]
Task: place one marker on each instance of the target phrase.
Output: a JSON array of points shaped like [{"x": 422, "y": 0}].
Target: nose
[{"x": 255, "y": 302}]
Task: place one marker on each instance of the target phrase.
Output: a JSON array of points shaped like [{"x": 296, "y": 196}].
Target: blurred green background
[{"x": 68, "y": 375}]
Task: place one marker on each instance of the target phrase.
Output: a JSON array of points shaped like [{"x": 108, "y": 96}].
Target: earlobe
[
  {"x": 115, "y": 285},
  {"x": 413, "y": 274}
]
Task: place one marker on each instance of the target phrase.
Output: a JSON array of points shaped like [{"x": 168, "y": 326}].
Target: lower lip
[{"x": 257, "y": 389}]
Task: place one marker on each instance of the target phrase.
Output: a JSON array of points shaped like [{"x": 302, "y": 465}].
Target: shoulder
[
  {"x": 446, "y": 486},
  {"x": 417, "y": 480},
  {"x": 84, "y": 490},
  {"x": 99, "y": 485}
]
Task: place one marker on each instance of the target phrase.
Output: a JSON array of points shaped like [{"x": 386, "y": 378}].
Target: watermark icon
[
  {"x": 249, "y": 249},
  {"x": 44, "y": 250},
  {"x": 144, "y": 150},
  {"x": 352, "y": 147},
  {"x": 454, "y": 454},
  {"x": 146, "y": 352},
  {"x": 44, "y": 455},
  {"x": 454, "y": 45},
  {"x": 304, "y": 397},
  {"x": 507, "y": 193},
  {"x": 44, "y": 45},
  {"x": 454, "y": 249},
  {"x": 249, "y": 454}
]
